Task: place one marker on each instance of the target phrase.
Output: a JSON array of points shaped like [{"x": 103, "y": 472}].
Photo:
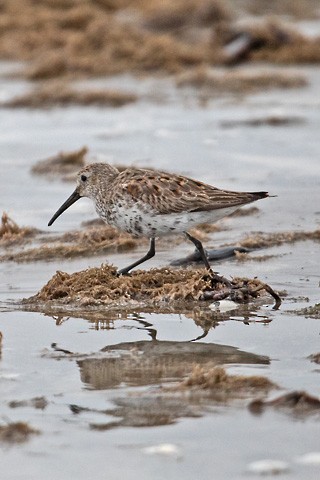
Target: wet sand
[{"x": 154, "y": 390}]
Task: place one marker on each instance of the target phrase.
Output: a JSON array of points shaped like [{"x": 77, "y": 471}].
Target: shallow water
[{"x": 176, "y": 133}]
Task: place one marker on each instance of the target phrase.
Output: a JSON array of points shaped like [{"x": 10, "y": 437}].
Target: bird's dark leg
[
  {"x": 215, "y": 278},
  {"x": 200, "y": 249},
  {"x": 151, "y": 253}
]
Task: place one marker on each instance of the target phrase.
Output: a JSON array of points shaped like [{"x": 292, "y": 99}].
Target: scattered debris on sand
[
  {"x": 269, "y": 120},
  {"x": 315, "y": 357},
  {"x": 12, "y": 234},
  {"x": 17, "y": 432},
  {"x": 40, "y": 403},
  {"x": 310, "y": 312},
  {"x": 65, "y": 165},
  {"x": 296, "y": 403},
  {"x": 101, "y": 286},
  {"x": 268, "y": 467}
]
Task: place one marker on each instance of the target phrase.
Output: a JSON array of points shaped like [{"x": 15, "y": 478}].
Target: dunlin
[{"x": 154, "y": 203}]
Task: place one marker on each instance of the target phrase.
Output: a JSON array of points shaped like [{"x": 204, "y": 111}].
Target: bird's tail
[{"x": 258, "y": 195}]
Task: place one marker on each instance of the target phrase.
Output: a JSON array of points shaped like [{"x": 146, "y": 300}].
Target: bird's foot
[
  {"x": 123, "y": 272},
  {"x": 216, "y": 278},
  {"x": 212, "y": 255}
]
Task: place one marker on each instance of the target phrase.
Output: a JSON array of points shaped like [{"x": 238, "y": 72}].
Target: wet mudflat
[
  {"x": 84, "y": 380},
  {"x": 162, "y": 389}
]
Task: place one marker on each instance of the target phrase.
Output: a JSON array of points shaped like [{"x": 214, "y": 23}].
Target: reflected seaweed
[
  {"x": 298, "y": 404},
  {"x": 147, "y": 411},
  {"x": 203, "y": 317},
  {"x": 151, "y": 362},
  {"x": 206, "y": 386}
]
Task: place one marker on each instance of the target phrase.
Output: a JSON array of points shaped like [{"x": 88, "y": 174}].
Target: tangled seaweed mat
[{"x": 101, "y": 286}]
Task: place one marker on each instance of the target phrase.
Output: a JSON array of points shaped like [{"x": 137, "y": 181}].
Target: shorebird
[{"x": 153, "y": 203}]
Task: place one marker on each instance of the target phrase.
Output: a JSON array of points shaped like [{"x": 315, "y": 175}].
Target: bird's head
[{"x": 92, "y": 180}]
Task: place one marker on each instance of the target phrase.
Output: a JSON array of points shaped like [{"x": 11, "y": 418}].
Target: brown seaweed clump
[
  {"x": 64, "y": 164},
  {"x": 92, "y": 241},
  {"x": 86, "y": 39},
  {"x": 268, "y": 39},
  {"x": 239, "y": 81},
  {"x": 176, "y": 17},
  {"x": 163, "y": 286},
  {"x": 17, "y": 432},
  {"x": 260, "y": 240},
  {"x": 54, "y": 94},
  {"x": 216, "y": 381},
  {"x": 294, "y": 8},
  {"x": 315, "y": 357},
  {"x": 12, "y": 234},
  {"x": 75, "y": 38},
  {"x": 297, "y": 403},
  {"x": 101, "y": 286}
]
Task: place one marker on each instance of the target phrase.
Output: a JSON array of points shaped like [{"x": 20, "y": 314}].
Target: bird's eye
[{"x": 84, "y": 178}]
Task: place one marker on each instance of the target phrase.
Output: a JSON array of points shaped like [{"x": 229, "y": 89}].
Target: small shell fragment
[
  {"x": 268, "y": 467},
  {"x": 311, "y": 458},
  {"x": 224, "y": 305},
  {"x": 166, "y": 449}
]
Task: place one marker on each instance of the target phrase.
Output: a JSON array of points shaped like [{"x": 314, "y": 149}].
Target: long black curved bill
[{"x": 73, "y": 198}]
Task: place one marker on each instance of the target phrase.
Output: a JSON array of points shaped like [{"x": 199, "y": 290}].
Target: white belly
[
  {"x": 141, "y": 223},
  {"x": 182, "y": 222}
]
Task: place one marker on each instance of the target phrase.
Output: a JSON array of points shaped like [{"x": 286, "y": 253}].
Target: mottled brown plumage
[
  {"x": 153, "y": 203},
  {"x": 169, "y": 193}
]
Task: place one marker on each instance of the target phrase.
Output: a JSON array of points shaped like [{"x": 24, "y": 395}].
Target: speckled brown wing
[{"x": 169, "y": 193}]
